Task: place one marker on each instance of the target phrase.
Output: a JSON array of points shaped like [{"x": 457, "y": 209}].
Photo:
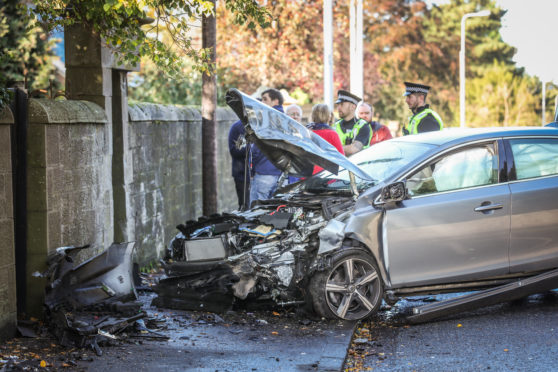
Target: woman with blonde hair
[{"x": 319, "y": 125}]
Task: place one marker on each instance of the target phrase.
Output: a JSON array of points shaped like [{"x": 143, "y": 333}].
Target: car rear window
[{"x": 535, "y": 157}]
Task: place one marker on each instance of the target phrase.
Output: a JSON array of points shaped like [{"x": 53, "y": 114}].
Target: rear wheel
[{"x": 350, "y": 289}]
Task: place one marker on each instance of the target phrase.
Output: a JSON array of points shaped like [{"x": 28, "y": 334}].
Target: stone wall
[
  {"x": 70, "y": 196},
  {"x": 8, "y": 310},
  {"x": 69, "y": 190},
  {"x": 165, "y": 151}
]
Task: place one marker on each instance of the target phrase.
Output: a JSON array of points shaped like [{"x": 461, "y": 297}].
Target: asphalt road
[
  {"x": 269, "y": 341},
  {"x": 515, "y": 336}
]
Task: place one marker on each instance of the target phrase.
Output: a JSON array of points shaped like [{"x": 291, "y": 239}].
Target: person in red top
[
  {"x": 319, "y": 125},
  {"x": 379, "y": 132}
]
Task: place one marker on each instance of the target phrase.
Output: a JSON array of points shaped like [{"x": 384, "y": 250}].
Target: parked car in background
[{"x": 437, "y": 212}]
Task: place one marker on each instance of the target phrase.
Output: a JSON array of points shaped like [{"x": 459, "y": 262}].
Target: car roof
[{"x": 449, "y": 135}]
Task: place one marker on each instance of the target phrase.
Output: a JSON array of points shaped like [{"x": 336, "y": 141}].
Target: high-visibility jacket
[
  {"x": 414, "y": 121},
  {"x": 353, "y": 133}
]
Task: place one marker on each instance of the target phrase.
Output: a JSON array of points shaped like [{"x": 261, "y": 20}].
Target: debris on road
[{"x": 93, "y": 302}]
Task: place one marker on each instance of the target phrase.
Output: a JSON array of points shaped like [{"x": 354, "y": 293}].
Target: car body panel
[
  {"x": 534, "y": 231},
  {"x": 440, "y": 238}
]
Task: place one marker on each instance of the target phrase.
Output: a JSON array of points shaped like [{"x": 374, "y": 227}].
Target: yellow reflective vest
[
  {"x": 415, "y": 120},
  {"x": 353, "y": 133}
]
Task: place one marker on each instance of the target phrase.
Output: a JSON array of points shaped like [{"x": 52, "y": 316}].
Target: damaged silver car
[{"x": 428, "y": 213}]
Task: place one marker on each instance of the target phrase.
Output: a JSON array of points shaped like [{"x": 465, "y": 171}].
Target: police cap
[
  {"x": 346, "y": 96},
  {"x": 411, "y": 88}
]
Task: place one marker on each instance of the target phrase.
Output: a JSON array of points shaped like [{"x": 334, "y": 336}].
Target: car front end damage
[
  {"x": 266, "y": 254},
  {"x": 274, "y": 251}
]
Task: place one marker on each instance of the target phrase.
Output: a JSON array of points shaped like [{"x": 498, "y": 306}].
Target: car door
[
  {"x": 456, "y": 224},
  {"x": 534, "y": 215}
]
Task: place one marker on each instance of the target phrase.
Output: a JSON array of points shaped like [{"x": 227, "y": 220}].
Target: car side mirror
[{"x": 394, "y": 192}]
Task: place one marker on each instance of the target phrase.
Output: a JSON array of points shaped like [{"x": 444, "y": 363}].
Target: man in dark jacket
[
  {"x": 265, "y": 175},
  {"x": 380, "y": 132},
  {"x": 424, "y": 119},
  {"x": 237, "y": 148}
]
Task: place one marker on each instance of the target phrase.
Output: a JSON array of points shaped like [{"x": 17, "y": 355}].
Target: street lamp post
[
  {"x": 357, "y": 60},
  {"x": 543, "y": 103},
  {"x": 482, "y": 13}
]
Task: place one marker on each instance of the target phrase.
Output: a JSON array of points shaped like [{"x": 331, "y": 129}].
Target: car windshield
[{"x": 380, "y": 161}]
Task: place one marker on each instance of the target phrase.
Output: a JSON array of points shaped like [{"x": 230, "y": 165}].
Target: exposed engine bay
[{"x": 266, "y": 253}]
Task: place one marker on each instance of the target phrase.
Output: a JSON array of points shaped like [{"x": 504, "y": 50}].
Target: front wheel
[{"x": 350, "y": 289}]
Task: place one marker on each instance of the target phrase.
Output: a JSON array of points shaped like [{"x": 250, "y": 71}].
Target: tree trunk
[{"x": 209, "y": 123}]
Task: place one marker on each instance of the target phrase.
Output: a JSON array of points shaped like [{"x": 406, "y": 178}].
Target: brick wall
[{"x": 8, "y": 310}]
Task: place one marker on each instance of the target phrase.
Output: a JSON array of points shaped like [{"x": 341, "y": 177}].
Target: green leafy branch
[{"x": 161, "y": 30}]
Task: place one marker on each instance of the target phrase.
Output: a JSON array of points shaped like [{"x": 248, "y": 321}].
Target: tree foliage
[
  {"x": 415, "y": 43},
  {"x": 152, "y": 84},
  {"x": 501, "y": 96},
  {"x": 404, "y": 41},
  {"x": 25, "y": 50},
  {"x": 288, "y": 54},
  {"x": 133, "y": 28}
]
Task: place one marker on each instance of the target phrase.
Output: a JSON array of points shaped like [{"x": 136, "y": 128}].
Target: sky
[{"x": 530, "y": 26}]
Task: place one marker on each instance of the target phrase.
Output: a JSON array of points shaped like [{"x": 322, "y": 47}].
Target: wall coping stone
[
  {"x": 144, "y": 111},
  {"x": 47, "y": 111},
  {"x": 6, "y": 116}
]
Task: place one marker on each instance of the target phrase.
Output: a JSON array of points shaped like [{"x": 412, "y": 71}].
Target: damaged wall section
[
  {"x": 69, "y": 189},
  {"x": 166, "y": 186},
  {"x": 8, "y": 311}
]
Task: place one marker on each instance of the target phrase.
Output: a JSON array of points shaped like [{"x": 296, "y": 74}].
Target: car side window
[
  {"x": 536, "y": 157},
  {"x": 469, "y": 167}
]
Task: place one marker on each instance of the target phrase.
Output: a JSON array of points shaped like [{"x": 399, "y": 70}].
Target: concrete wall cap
[
  {"x": 6, "y": 115},
  {"x": 47, "y": 111},
  {"x": 144, "y": 111},
  {"x": 226, "y": 114}
]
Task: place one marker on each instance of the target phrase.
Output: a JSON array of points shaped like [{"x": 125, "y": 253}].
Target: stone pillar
[
  {"x": 8, "y": 308},
  {"x": 94, "y": 74},
  {"x": 122, "y": 167},
  {"x": 69, "y": 190}
]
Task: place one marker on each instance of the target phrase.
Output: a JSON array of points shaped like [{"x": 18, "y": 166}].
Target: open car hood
[{"x": 289, "y": 145}]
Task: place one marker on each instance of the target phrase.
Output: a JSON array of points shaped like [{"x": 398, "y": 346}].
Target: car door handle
[{"x": 488, "y": 207}]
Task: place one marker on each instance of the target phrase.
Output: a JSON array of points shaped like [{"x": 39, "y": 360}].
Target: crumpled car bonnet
[{"x": 289, "y": 145}]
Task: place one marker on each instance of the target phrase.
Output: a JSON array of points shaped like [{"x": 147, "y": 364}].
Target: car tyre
[{"x": 351, "y": 288}]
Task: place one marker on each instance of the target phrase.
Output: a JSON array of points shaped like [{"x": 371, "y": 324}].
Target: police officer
[
  {"x": 424, "y": 119},
  {"x": 354, "y": 133}
]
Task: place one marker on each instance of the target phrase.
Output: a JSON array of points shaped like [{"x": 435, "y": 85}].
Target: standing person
[
  {"x": 237, "y": 149},
  {"x": 380, "y": 132},
  {"x": 354, "y": 133},
  {"x": 424, "y": 119},
  {"x": 295, "y": 112},
  {"x": 265, "y": 175},
  {"x": 320, "y": 126}
]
